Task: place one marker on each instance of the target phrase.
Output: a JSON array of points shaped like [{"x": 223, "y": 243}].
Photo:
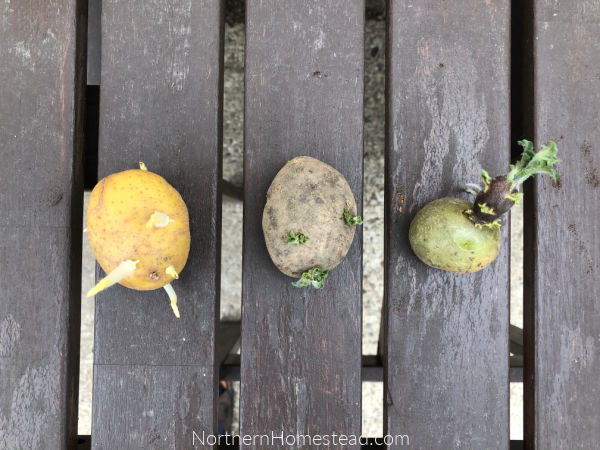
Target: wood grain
[
  {"x": 563, "y": 313},
  {"x": 42, "y": 82},
  {"x": 161, "y": 103},
  {"x": 94, "y": 42},
  {"x": 301, "y": 349},
  {"x": 447, "y": 103}
]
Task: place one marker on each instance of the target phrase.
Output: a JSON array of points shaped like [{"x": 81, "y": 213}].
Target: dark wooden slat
[
  {"x": 84, "y": 442},
  {"x": 42, "y": 82},
  {"x": 151, "y": 406},
  {"x": 516, "y": 340},
  {"x": 90, "y": 149},
  {"x": 516, "y": 361},
  {"x": 161, "y": 103},
  {"x": 446, "y": 349},
  {"x": 562, "y": 367},
  {"x": 229, "y": 336},
  {"x": 230, "y": 368},
  {"x": 515, "y": 374},
  {"x": 94, "y": 42},
  {"x": 304, "y": 86},
  {"x": 231, "y": 190},
  {"x": 516, "y": 445},
  {"x": 371, "y": 369}
]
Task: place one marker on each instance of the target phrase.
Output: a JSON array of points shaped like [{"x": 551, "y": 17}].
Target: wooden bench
[{"x": 452, "y": 108}]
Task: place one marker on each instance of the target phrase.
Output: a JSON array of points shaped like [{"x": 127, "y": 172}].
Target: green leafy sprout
[
  {"x": 516, "y": 197},
  {"x": 532, "y": 163},
  {"x": 485, "y": 177},
  {"x": 495, "y": 224},
  {"x": 314, "y": 277},
  {"x": 352, "y": 221},
  {"x": 486, "y": 209},
  {"x": 296, "y": 238},
  {"x": 490, "y": 203}
]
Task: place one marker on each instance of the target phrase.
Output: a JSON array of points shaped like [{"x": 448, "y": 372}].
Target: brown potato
[{"x": 308, "y": 197}]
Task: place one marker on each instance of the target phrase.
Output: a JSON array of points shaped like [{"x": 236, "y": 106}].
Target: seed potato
[
  {"x": 303, "y": 219},
  {"x": 138, "y": 227}
]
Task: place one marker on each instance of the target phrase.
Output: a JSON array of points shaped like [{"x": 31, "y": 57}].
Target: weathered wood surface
[
  {"x": 446, "y": 382},
  {"x": 154, "y": 375},
  {"x": 42, "y": 80},
  {"x": 94, "y": 42},
  {"x": 301, "y": 349},
  {"x": 563, "y": 366}
]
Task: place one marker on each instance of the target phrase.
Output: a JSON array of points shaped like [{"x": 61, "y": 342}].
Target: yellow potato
[{"x": 138, "y": 227}]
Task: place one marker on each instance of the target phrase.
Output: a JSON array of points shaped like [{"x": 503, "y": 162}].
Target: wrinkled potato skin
[
  {"x": 443, "y": 237},
  {"x": 119, "y": 208},
  {"x": 308, "y": 197}
]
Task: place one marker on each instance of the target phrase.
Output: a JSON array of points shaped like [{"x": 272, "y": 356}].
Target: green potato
[
  {"x": 443, "y": 237},
  {"x": 462, "y": 237}
]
